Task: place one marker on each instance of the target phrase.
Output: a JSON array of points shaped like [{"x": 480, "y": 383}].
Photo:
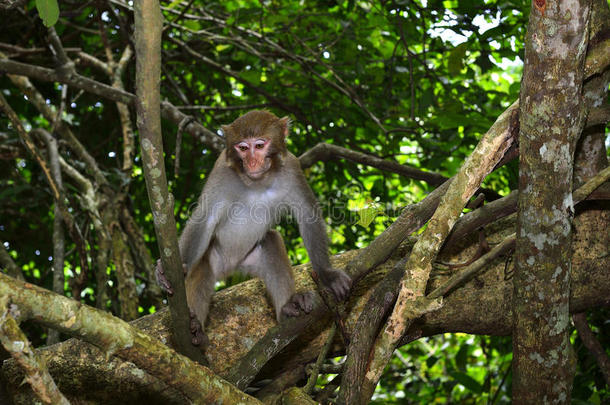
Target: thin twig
[
  {"x": 592, "y": 343},
  {"x": 315, "y": 370},
  {"x": 474, "y": 268}
]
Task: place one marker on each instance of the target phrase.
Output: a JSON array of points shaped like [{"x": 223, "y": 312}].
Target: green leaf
[
  {"x": 456, "y": 59},
  {"x": 426, "y": 99},
  {"x": 173, "y": 4},
  {"x": 191, "y": 24},
  {"x": 367, "y": 215},
  {"x": 222, "y": 47},
  {"x": 595, "y": 398},
  {"x": 48, "y": 10},
  {"x": 252, "y": 76},
  {"x": 468, "y": 382},
  {"x": 461, "y": 358},
  {"x": 484, "y": 62}
]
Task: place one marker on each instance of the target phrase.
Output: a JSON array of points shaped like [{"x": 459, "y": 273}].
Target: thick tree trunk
[{"x": 552, "y": 117}]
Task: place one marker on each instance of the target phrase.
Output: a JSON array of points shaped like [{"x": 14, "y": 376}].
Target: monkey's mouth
[{"x": 257, "y": 174}]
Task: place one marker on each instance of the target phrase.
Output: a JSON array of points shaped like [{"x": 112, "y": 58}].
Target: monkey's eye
[
  {"x": 242, "y": 147},
  {"x": 259, "y": 144}
]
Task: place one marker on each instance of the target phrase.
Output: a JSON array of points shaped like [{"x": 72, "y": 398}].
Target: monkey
[{"x": 254, "y": 182}]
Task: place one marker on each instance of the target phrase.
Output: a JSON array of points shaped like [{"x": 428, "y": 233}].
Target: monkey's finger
[
  {"x": 305, "y": 301},
  {"x": 290, "y": 309},
  {"x": 162, "y": 280},
  {"x": 341, "y": 288},
  {"x": 166, "y": 286},
  {"x": 198, "y": 336},
  {"x": 199, "y": 339}
]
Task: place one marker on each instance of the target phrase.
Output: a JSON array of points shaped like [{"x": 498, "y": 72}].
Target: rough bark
[
  {"x": 552, "y": 116},
  {"x": 17, "y": 344},
  {"x": 590, "y": 159}
]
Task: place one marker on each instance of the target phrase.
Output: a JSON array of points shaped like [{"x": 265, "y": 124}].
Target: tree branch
[
  {"x": 591, "y": 343},
  {"x": 481, "y": 216},
  {"x": 598, "y": 58},
  {"x": 115, "y": 337},
  {"x": 148, "y": 24},
  {"x": 326, "y": 151},
  {"x": 58, "y": 229},
  {"x": 481, "y": 162},
  {"x": 38, "y": 101},
  {"x": 18, "y": 345},
  {"x": 273, "y": 99},
  {"x": 170, "y": 112}
]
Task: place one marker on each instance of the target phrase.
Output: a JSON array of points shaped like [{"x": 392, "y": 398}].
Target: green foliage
[
  {"x": 448, "y": 368},
  {"x": 48, "y": 11}
]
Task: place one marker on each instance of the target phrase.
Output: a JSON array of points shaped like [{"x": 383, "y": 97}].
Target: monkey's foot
[
  {"x": 163, "y": 281},
  {"x": 198, "y": 337},
  {"x": 297, "y": 303}
]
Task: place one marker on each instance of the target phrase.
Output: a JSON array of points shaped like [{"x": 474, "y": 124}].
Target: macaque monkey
[{"x": 254, "y": 182}]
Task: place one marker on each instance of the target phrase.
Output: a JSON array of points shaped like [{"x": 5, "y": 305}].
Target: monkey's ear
[
  {"x": 225, "y": 129},
  {"x": 285, "y": 125},
  {"x": 226, "y": 132}
]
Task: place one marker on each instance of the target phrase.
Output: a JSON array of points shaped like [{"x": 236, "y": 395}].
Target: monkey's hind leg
[
  {"x": 269, "y": 261},
  {"x": 199, "y": 285}
]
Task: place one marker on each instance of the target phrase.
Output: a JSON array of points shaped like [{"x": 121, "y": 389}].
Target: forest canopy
[{"x": 400, "y": 111}]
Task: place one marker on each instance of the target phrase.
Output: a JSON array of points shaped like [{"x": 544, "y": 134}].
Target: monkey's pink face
[{"x": 253, "y": 154}]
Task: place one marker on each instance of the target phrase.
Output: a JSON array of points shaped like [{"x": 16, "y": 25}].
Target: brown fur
[{"x": 257, "y": 124}]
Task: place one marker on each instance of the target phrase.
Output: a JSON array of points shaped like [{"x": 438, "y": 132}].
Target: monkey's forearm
[
  {"x": 316, "y": 243},
  {"x": 195, "y": 239}
]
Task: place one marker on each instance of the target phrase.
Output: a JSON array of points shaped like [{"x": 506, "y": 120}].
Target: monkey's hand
[
  {"x": 297, "y": 303},
  {"x": 198, "y": 337},
  {"x": 337, "y": 281}
]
